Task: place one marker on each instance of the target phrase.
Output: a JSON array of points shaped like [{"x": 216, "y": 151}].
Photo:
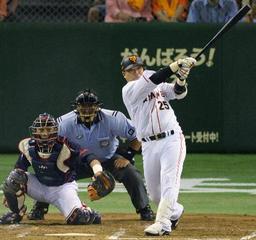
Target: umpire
[{"x": 96, "y": 129}]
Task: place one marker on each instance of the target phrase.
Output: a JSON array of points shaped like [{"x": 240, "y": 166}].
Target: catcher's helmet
[
  {"x": 44, "y": 131},
  {"x": 87, "y": 105},
  {"x": 131, "y": 62}
]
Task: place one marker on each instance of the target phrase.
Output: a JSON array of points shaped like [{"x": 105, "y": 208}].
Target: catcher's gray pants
[{"x": 64, "y": 197}]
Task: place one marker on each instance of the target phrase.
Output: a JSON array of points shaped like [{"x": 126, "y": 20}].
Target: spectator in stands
[
  {"x": 212, "y": 11},
  {"x": 170, "y": 10},
  {"x": 3, "y": 10},
  {"x": 7, "y": 8},
  {"x": 239, "y": 3},
  {"x": 128, "y": 11},
  {"x": 97, "y": 11},
  {"x": 251, "y": 16}
]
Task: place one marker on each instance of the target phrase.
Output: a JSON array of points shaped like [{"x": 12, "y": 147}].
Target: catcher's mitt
[{"x": 101, "y": 186}]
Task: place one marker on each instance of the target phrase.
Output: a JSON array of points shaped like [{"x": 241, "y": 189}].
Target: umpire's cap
[{"x": 131, "y": 62}]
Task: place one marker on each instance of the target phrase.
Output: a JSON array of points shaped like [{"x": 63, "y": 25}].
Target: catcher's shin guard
[{"x": 14, "y": 188}]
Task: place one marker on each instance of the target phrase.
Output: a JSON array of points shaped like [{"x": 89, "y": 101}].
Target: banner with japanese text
[{"x": 43, "y": 67}]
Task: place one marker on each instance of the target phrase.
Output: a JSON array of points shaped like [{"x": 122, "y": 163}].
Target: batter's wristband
[
  {"x": 161, "y": 75},
  {"x": 179, "y": 89}
]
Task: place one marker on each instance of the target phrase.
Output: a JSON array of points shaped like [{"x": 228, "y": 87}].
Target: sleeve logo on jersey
[
  {"x": 133, "y": 58},
  {"x": 131, "y": 131}
]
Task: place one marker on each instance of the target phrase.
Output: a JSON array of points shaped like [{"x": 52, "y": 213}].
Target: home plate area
[{"x": 128, "y": 226}]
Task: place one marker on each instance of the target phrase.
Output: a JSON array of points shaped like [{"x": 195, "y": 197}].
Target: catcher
[
  {"x": 96, "y": 129},
  {"x": 53, "y": 162}
]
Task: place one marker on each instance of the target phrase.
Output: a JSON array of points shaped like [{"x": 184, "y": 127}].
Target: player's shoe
[
  {"x": 146, "y": 214},
  {"x": 10, "y": 218},
  {"x": 38, "y": 211},
  {"x": 84, "y": 216},
  {"x": 156, "y": 229},
  {"x": 13, "y": 218},
  {"x": 97, "y": 217},
  {"x": 176, "y": 221}
]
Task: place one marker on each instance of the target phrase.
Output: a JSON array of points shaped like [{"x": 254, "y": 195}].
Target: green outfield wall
[{"x": 42, "y": 67}]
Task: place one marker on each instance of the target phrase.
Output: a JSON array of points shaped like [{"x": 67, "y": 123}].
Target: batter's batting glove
[
  {"x": 103, "y": 184},
  {"x": 182, "y": 67}
]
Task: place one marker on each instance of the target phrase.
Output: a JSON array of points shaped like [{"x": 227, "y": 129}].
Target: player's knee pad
[
  {"x": 83, "y": 216},
  {"x": 16, "y": 182},
  {"x": 14, "y": 188}
]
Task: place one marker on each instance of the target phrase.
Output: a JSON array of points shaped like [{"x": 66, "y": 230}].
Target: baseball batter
[
  {"x": 146, "y": 97},
  {"x": 53, "y": 179}
]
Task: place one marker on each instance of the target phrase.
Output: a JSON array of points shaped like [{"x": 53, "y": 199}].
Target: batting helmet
[
  {"x": 131, "y": 62},
  {"x": 87, "y": 105},
  {"x": 44, "y": 131}
]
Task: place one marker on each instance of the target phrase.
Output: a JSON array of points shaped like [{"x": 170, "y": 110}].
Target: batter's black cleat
[
  {"x": 10, "y": 218},
  {"x": 176, "y": 221},
  {"x": 38, "y": 211},
  {"x": 146, "y": 214}
]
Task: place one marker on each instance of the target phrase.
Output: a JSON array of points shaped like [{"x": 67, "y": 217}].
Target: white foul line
[
  {"x": 144, "y": 238},
  {"x": 252, "y": 235},
  {"x": 21, "y": 235},
  {"x": 117, "y": 234},
  {"x": 70, "y": 234}
]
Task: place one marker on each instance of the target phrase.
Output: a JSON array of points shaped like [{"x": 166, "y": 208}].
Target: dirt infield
[{"x": 128, "y": 226}]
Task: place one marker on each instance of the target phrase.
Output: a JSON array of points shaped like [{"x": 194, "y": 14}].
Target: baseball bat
[{"x": 236, "y": 18}]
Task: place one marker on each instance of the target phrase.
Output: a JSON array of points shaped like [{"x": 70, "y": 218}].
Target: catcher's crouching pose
[{"x": 53, "y": 179}]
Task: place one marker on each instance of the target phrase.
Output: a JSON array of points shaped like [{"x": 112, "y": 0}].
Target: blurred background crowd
[{"x": 192, "y": 11}]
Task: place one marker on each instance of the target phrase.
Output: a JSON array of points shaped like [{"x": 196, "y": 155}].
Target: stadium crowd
[{"x": 192, "y": 11}]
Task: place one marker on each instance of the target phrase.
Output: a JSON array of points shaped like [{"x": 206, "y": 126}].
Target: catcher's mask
[
  {"x": 130, "y": 62},
  {"x": 44, "y": 131},
  {"x": 87, "y": 106}
]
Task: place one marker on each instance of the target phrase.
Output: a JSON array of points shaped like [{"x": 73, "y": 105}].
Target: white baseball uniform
[{"x": 153, "y": 117}]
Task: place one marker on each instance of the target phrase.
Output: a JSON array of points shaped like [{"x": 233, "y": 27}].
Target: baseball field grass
[{"x": 211, "y": 183}]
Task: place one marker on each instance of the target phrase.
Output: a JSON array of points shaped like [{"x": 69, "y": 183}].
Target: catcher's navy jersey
[
  {"x": 101, "y": 138},
  {"x": 53, "y": 169}
]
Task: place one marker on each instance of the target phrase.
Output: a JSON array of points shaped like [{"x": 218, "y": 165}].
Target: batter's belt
[{"x": 158, "y": 136}]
